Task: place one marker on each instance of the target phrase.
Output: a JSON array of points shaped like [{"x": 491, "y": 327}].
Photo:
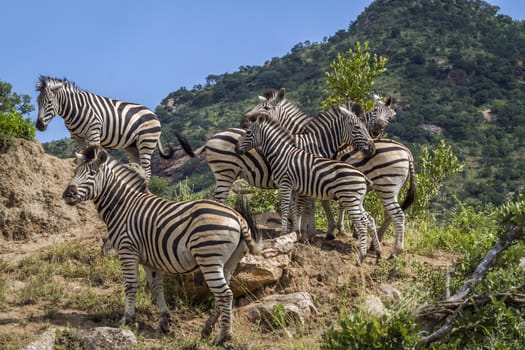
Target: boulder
[{"x": 282, "y": 310}]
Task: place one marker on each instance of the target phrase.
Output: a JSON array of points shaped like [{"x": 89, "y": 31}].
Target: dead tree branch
[{"x": 453, "y": 305}]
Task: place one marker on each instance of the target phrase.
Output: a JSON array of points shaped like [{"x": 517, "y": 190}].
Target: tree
[
  {"x": 12, "y": 124},
  {"x": 13, "y": 101},
  {"x": 352, "y": 76}
]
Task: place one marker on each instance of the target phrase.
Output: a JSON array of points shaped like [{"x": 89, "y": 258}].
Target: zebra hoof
[
  {"x": 221, "y": 339},
  {"x": 164, "y": 323},
  {"x": 329, "y": 236},
  {"x": 392, "y": 257},
  {"x": 127, "y": 319},
  {"x": 206, "y": 331}
]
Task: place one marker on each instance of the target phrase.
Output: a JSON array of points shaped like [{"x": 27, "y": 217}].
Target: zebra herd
[{"x": 338, "y": 154}]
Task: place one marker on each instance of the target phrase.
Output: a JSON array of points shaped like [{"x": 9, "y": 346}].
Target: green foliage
[
  {"x": 352, "y": 78},
  {"x": 513, "y": 212},
  {"x": 10, "y": 101},
  {"x": 180, "y": 191},
  {"x": 362, "y": 331},
  {"x": 12, "y": 124},
  {"x": 433, "y": 167}
]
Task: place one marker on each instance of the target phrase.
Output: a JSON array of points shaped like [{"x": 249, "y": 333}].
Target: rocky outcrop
[{"x": 31, "y": 186}]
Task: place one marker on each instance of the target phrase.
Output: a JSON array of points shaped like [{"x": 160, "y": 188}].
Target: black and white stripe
[
  {"x": 322, "y": 135},
  {"x": 103, "y": 121},
  {"x": 302, "y": 174},
  {"x": 165, "y": 236},
  {"x": 389, "y": 168}
]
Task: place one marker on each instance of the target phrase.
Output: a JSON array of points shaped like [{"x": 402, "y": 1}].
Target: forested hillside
[{"x": 455, "y": 69}]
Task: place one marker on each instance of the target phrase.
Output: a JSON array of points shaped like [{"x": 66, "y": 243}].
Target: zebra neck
[
  {"x": 69, "y": 102},
  {"x": 277, "y": 144},
  {"x": 114, "y": 198}
]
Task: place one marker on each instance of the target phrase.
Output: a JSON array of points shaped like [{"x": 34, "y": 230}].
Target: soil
[{"x": 33, "y": 216}]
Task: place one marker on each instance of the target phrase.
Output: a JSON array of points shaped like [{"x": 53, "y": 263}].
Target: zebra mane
[
  {"x": 131, "y": 173},
  {"x": 45, "y": 81},
  {"x": 274, "y": 123}
]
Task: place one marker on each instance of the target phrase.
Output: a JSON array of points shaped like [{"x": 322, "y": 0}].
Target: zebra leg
[
  {"x": 393, "y": 212},
  {"x": 375, "y": 240},
  {"x": 217, "y": 280},
  {"x": 330, "y": 235},
  {"x": 360, "y": 222},
  {"x": 286, "y": 199},
  {"x": 157, "y": 289},
  {"x": 129, "y": 264},
  {"x": 223, "y": 183},
  {"x": 139, "y": 156}
]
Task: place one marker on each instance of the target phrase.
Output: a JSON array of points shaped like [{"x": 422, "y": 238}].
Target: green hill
[{"x": 455, "y": 68}]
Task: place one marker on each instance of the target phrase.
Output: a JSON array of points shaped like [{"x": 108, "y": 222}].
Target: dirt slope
[{"x": 32, "y": 211}]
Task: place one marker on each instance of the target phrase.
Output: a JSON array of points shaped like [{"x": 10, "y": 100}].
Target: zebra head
[
  {"x": 87, "y": 182},
  {"x": 269, "y": 102},
  {"x": 359, "y": 137},
  {"x": 47, "y": 100},
  {"x": 380, "y": 116},
  {"x": 252, "y": 136}
]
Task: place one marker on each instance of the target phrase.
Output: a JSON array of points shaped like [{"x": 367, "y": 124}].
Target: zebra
[
  {"x": 302, "y": 174},
  {"x": 103, "y": 121},
  {"x": 333, "y": 125},
  {"x": 294, "y": 119},
  {"x": 166, "y": 236},
  {"x": 389, "y": 168}
]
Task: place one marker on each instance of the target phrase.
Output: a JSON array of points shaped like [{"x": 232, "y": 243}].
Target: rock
[
  {"x": 107, "y": 338},
  {"x": 45, "y": 342},
  {"x": 31, "y": 204},
  {"x": 283, "y": 310},
  {"x": 253, "y": 272},
  {"x": 374, "y": 306},
  {"x": 390, "y": 292}
]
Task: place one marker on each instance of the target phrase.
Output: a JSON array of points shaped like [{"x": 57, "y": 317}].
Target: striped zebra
[
  {"x": 334, "y": 126},
  {"x": 302, "y": 174},
  {"x": 294, "y": 119},
  {"x": 102, "y": 121},
  {"x": 166, "y": 236},
  {"x": 389, "y": 168}
]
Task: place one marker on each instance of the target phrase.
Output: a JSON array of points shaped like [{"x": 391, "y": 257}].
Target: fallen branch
[{"x": 453, "y": 305}]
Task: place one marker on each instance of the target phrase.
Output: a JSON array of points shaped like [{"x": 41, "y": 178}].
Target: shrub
[{"x": 12, "y": 124}]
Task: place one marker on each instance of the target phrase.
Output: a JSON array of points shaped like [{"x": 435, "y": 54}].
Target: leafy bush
[
  {"x": 360, "y": 331},
  {"x": 12, "y": 124}
]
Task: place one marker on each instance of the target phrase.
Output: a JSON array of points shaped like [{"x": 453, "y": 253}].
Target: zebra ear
[
  {"x": 377, "y": 98},
  {"x": 102, "y": 157},
  {"x": 344, "y": 110},
  {"x": 262, "y": 99},
  {"x": 388, "y": 101},
  {"x": 80, "y": 158},
  {"x": 358, "y": 110},
  {"x": 280, "y": 94}
]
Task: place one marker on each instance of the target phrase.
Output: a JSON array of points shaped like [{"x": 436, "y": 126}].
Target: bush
[
  {"x": 12, "y": 124},
  {"x": 360, "y": 331}
]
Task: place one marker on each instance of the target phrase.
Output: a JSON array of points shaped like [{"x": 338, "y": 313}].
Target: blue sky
[{"x": 141, "y": 51}]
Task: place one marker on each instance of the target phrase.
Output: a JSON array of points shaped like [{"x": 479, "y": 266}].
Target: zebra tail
[
  {"x": 412, "y": 190},
  {"x": 163, "y": 153},
  {"x": 185, "y": 144},
  {"x": 253, "y": 238}
]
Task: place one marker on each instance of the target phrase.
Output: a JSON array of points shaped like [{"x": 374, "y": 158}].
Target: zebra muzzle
[
  {"x": 70, "y": 195},
  {"x": 40, "y": 126}
]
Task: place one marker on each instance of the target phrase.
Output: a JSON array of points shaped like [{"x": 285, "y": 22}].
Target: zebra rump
[{"x": 165, "y": 236}]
